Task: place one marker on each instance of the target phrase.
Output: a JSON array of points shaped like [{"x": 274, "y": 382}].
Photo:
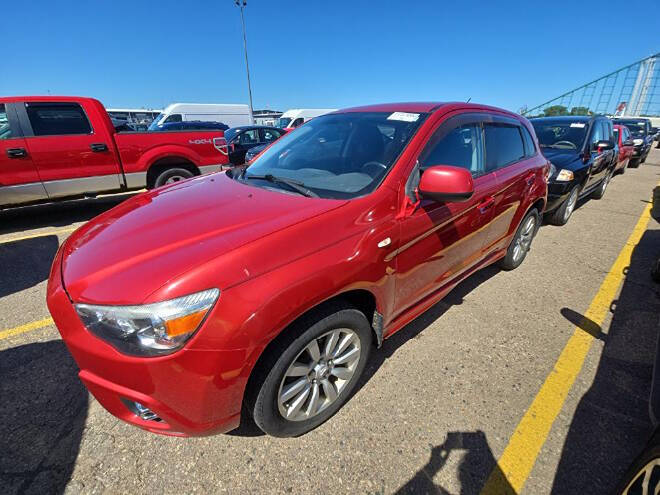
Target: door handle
[
  {"x": 486, "y": 204},
  {"x": 98, "y": 147},
  {"x": 16, "y": 152}
]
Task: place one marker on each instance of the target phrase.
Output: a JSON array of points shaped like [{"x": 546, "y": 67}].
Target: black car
[
  {"x": 583, "y": 153},
  {"x": 254, "y": 151},
  {"x": 189, "y": 125},
  {"x": 241, "y": 139},
  {"x": 642, "y": 136}
]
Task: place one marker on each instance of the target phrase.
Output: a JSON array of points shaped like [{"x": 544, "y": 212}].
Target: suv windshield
[
  {"x": 337, "y": 156},
  {"x": 637, "y": 129},
  {"x": 558, "y": 134}
]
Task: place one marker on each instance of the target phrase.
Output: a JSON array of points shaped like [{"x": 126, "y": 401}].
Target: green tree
[
  {"x": 581, "y": 111},
  {"x": 555, "y": 110}
]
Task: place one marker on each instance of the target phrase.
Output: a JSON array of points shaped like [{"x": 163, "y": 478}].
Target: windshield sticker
[
  {"x": 404, "y": 116},
  {"x": 578, "y": 124}
]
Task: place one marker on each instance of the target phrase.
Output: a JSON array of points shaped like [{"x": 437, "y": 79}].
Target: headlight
[
  {"x": 564, "y": 175},
  {"x": 638, "y": 141},
  {"x": 151, "y": 329}
]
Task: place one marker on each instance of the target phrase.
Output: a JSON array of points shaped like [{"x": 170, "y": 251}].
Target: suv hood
[
  {"x": 128, "y": 252},
  {"x": 568, "y": 159}
]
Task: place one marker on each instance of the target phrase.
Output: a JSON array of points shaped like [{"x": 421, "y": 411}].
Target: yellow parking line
[
  {"x": 519, "y": 456},
  {"x": 28, "y": 327},
  {"x": 42, "y": 234}
]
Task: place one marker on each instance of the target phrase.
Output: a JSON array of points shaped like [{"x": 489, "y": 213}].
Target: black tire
[
  {"x": 600, "y": 191},
  {"x": 261, "y": 398},
  {"x": 650, "y": 454},
  {"x": 634, "y": 163},
  {"x": 559, "y": 216},
  {"x": 172, "y": 175},
  {"x": 511, "y": 261}
]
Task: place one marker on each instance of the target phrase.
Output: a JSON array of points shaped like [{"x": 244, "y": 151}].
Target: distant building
[{"x": 266, "y": 117}]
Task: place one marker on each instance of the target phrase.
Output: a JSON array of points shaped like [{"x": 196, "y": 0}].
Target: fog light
[{"x": 141, "y": 411}]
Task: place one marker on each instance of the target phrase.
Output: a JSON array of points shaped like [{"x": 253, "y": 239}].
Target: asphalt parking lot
[{"x": 479, "y": 385}]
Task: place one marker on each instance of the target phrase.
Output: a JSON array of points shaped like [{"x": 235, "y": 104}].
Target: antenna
[{"x": 468, "y": 100}]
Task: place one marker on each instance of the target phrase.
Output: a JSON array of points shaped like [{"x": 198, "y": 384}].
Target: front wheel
[
  {"x": 310, "y": 373},
  {"x": 600, "y": 192},
  {"x": 561, "y": 215},
  {"x": 522, "y": 241}
]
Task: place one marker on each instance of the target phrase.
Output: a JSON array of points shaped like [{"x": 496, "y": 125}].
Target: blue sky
[{"x": 142, "y": 53}]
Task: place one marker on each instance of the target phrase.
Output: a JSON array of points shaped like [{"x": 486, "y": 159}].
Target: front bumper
[
  {"x": 558, "y": 193},
  {"x": 193, "y": 392}
]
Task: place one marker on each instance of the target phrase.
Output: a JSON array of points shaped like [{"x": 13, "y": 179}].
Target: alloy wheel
[
  {"x": 318, "y": 374},
  {"x": 175, "y": 178},
  {"x": 646, "y": 480},
  {"x": 570, "y": 205},
  {"x": 524, "y": 239}
]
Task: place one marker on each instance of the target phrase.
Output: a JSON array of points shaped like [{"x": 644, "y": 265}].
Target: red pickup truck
[{"x": 56, "y": 147}]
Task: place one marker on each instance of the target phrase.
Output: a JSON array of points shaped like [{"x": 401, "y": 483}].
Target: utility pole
[{"x": 241, "y": 5}]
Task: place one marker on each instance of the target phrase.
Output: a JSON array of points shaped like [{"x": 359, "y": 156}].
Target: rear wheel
[
  {"x": 522, "y": 241},
  {"x": 561, "y": 215},
  {"x": 172, "y": 175},
  {"x": 310, "y": 373}
]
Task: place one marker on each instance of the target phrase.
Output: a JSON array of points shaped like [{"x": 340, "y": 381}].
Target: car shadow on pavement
[
  {"x": 611, "y": 423},
  {"x": 42, "y": 416},
  {"x": 474, "y": 468},
  {"x": 26, "y": 262},
  {"x": 57, "y": 214}
]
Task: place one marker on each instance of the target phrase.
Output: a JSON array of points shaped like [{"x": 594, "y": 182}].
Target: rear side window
[
  {"x": 5, "y": 129},
  {"x": 57, "y": 119},
  {"x": 504, "y": 145},
  {"x": 530, "y": 148},
  {"x": 457, "y": 146},
  {"x": 270, "y": 135}
]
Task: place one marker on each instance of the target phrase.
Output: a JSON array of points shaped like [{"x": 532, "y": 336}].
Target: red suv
[{"x": 263, "y": 290}]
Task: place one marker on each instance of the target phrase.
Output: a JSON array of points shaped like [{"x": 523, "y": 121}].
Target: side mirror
[
  {"x": 628, "y": 142},
  {"x": 604, "y": 145},
  {"x": 446, "y": 183}
]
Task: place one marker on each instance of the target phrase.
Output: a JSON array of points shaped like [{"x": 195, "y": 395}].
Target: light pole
[{"x": 241, "y": 5}]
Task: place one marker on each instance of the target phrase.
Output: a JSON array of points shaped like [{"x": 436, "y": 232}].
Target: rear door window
[
  {"x": 530, "y": 148},
  {"x": 270, "y": 135},
  {"x": 504, "y": 145},
  {"x": 57, "y": 119}
]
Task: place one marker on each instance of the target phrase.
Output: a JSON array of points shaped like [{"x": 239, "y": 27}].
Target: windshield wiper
[{"x": 293, "y": 184}]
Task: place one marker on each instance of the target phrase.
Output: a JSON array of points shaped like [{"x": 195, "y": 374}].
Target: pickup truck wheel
[
  {"x": 561, "y": 215},
  {"x": 310, "y": 374},
  {"x": 172, "y": 175},
  {"x": 522, "y": 241}
]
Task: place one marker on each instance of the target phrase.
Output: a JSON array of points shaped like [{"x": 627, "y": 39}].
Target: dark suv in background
[
  {"x": 583, "y": 153},
  {"x": 642, "y": 136}
]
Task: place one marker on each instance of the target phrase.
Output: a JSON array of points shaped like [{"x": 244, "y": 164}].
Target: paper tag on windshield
[
  {"x": 404, "y": 116},
  {"x": 578, "y": 124}
]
